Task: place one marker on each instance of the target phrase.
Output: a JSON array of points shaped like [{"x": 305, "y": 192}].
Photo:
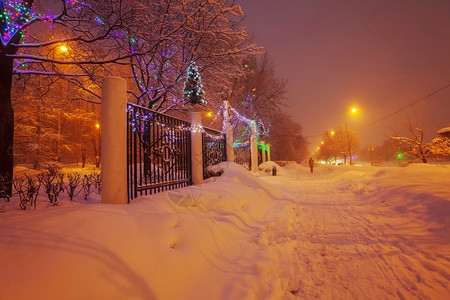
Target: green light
[{"x": 400, "y": 155}]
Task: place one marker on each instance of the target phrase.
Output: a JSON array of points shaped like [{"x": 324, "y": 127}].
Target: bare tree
[
  {"x": 87, "y": 39},
  {"x": 339, "y": 143},
  {"x": 29, "y": 47},
  {"x": 259, "y": 91},
  {"x": 414, "y": 144},
  {"x": 329, "y": 148},
  {"x": 286, "y": 139},
  {"x": 440, "y": 147},
  {"x": 206, "y": 32}
]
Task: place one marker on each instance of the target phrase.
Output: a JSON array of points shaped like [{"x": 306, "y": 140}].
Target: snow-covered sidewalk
[
  {"x": 340, "y": 233},
  {"x": 370, "y": 233}
]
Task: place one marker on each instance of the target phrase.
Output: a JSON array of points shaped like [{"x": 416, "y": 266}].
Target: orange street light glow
[
  {"x": 97, "y": 125},
  {"x": 332, "y": 132},
  {"x": 209, "y": 114},
  {"x": 63, "y": 48},
  {"x": 353, "y": 110}
]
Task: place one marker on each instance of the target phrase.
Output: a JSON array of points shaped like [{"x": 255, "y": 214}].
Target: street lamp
[
  {"x": 353, "y": 111},
  {"x": 99, "y": 152}
]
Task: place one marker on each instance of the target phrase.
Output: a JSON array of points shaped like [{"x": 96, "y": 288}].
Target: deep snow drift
[{"x": 339, "y": 233}]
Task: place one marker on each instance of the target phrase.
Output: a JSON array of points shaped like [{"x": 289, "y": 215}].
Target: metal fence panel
[
  {"x": 242, "y": 156},
  {"x": 159, "y": 152},
  {"x": 214, "y": 148}
]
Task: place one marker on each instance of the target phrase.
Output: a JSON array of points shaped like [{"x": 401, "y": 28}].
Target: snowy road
[{"x": 352, "y": 243}]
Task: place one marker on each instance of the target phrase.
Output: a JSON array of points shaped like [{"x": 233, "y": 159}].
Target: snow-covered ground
[{"x": 339, "y": 233}]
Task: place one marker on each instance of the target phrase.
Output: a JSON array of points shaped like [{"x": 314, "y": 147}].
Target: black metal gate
[
  {"x": 159, "y": 151},
  {"x": 242, "y": 156},
  {"x": 260, "y": 155},
  {"x": 214, "y": 148}
]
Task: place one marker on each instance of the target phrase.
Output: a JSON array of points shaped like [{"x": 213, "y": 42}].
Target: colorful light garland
[
  {"x": 172, "y": 128},
  {"x": 193, "y": 89}
]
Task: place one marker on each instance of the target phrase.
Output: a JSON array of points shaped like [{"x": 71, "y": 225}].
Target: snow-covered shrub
[
  {"x": 4, "y": 184},
  {"x": 53, "y": 184},
  {"x": 87, "y": 184},
  {"x": 53, "y": 167},
  {"x": 28, "y": 189},
  {"x": 97, "y": 181},
  {"x": 440, "y": 147},
  {"x": 75, "y": 180}
]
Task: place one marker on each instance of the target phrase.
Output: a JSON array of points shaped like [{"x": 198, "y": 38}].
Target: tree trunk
[
  {"x": 6, "y": 121},
  {"x": 83, "y": 156},
  {"x": 37, "y": 153}
]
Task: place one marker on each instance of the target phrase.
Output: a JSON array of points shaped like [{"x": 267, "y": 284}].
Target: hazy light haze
[{"x": 378, "y": 56}]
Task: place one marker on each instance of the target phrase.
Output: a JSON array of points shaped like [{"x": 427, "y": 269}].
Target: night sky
[{"x": 379, "y": 56}]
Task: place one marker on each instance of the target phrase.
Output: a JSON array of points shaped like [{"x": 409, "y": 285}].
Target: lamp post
[
  {"x": 98, "y": 152},
  {"x": 353, "y": 111},
  {"x": 63, "y": 51}
]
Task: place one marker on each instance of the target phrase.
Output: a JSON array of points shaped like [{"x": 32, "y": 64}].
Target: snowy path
[
  {"x": 348, "y": 246},
  {"x": 340, "y": 233}
]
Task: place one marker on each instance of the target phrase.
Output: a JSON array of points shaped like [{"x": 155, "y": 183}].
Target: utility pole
[{"x": 348, "y": 142}]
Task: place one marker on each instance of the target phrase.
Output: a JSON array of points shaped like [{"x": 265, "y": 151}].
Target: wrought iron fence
[
  {"x": 242, "y": 156},
  {"x": 214, "y": 148},
  {"x": 159, "y": 151},
  {"x": 260, "y": 157}
]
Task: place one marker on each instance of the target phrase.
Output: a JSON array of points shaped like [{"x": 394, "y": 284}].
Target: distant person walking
[{"x": 311, "y": 164}]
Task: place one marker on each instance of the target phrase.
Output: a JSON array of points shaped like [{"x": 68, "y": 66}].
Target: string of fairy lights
[
  {"x": 16, "y": 14},
  {"x": 141, "y": 120},
  {"x": 193, "y": 88}
]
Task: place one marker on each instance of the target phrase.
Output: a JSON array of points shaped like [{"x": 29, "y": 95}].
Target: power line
[
  {"x": 395, "y": 112},
  {"x": 407, "y": 106}
]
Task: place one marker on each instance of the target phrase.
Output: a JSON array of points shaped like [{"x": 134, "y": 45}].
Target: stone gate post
[
  {"x": 263, "y": 144},
  {"x": 114, "y": 140},
  {"x": 228, "y": 130},
  {"x": 195, "y": 118},
  {"x": 254, "y": 148}
]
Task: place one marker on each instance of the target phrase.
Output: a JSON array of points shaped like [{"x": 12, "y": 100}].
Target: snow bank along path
[{"x": 340, "y": 233}]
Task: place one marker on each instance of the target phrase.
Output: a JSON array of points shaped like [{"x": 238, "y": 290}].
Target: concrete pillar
[
  {"x": 195, "y": 118},
  {"x": 228, "y": 130},
  {"x": 114, "y": 141},
  {"x": 254, "y": 148},
  {"x": 268, "y": 152},
  {"x": 263, "y": 144}
]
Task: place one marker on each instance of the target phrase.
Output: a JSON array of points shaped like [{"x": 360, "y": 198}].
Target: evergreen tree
[{"x": 193, "y": 91}]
